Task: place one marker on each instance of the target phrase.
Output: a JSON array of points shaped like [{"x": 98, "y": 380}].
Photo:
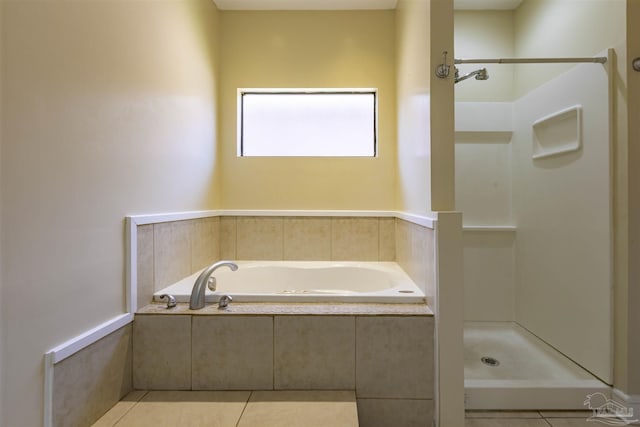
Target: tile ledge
[{"x": 284, "y": 309}]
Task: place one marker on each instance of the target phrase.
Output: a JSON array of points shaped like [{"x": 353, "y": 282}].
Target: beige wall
[
  {"x": 560, "y": 28},
  {"x": 308, "y": 49},
  {"x": 110, "y": 110},
  {"x": 413, "y": 89},
  {"x": 441, "y": 113}
]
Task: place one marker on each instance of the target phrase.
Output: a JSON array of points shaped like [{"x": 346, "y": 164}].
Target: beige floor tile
[
  {"x": 395, "y": 412},
  {"x": 573, "y": 422},
  {"x": 301, "y": 408},
  {"x": 187, "y": 409},
  {"x": 120, "y": 410},
  {"x": 506, "y": 422},
  {"x": 503, "y": 414},
  {"x": 567, "y": 414}
]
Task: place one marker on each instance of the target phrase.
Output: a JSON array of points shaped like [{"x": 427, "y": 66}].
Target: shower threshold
[{"x": 508, "y": 368}]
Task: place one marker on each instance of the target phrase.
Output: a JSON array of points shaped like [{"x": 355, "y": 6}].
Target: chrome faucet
[{"x": 197, "y": 293}]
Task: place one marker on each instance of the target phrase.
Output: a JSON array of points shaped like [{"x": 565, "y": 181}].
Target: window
[{"x": 307, "y": 122}]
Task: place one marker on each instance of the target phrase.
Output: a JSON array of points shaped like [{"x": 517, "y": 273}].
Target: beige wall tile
[
  {"x": 187, "y": 408},
  {"x": 172, "y": 252},
  {"x": 300, "y": 408},
  {"x": 162, "y": 352},
  {"x": 415, "y": 254},
  {"x": 89, "y": 383},
  {"x": 395, "y": 412},
  {"x": 307, "y": 238},
  {"x": 145, "y": 264},
  {"x": 314, "y": 353},
  {"x": 228, "y": 236},
  {"x": 232, "y": 353},
  {"x": 205, "y": 242},
  {"x": 355, "y": 239},
  {"x": 394, "y": 357},
  {"x": 387, "y": 250},
  {"x": 260, "y": 238}
]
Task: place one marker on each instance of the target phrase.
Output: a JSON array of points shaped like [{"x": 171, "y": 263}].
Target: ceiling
[{"x": 352, "y": 4}]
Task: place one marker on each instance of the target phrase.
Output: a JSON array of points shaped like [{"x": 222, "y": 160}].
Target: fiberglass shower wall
[
  {"x": 551, "y": 179},
  {"x": 562, "y": 200}
]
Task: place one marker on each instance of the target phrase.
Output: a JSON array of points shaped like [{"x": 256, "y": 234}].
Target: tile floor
[
  {"x": 530, "y": 419},
  {"x": 288, "y": 409},
  {"x": 233, "y": 409}
]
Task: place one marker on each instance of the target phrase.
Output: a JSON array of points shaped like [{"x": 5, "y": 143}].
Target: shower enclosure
[{"x": 533, "y": 180}]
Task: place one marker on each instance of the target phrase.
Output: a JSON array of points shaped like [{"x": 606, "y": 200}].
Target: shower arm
[{"x": 480, "y": 74}]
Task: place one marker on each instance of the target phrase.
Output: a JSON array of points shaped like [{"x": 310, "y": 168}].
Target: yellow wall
[
  {"x": 424, "y": 29},
  {"x": 441, "y": 112},
  {"x": 413, "y": 88},
  {"x": 560, "y": 28},
  {"x": 308, "y": 49},
  {"x": 109, "y": 110}
]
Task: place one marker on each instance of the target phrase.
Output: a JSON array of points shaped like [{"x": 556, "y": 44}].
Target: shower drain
[{"x": 490, "y": 361}]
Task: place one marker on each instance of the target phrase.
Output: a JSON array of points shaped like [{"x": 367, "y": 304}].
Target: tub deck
[{"x": 311, "y": 309}]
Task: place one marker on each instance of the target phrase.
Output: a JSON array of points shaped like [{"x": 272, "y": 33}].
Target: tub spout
[{"x": 197, "y": 293}]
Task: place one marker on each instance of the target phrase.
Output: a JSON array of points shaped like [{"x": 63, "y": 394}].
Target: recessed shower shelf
[{"x": 558, "y": 133}]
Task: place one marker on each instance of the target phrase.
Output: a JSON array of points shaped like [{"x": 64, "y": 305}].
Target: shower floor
[{"x": 530, "y": 374}]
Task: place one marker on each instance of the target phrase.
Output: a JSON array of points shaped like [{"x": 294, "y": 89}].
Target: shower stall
[{"x": 534, "y": 183}]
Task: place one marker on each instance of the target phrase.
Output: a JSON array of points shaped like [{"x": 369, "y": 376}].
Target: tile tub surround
[
  {"x": 415, "y": 253},
  {"x": 307, "y": 352},
  {"x": 90, "y": 382},
  {"x": 170, "y": 251}
]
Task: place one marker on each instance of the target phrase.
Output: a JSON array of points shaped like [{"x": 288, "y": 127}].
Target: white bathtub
[{"x": 303, "y": 281}]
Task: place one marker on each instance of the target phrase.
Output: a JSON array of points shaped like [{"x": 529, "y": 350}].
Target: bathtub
[{"x": 305, "y": 281}]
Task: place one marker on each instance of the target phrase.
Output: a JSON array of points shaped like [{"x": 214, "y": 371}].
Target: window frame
[{"x": 304, "y": 91}]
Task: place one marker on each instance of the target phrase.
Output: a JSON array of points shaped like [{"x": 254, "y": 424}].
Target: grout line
[
  {"x": 153, "y": 258},
  {"x": 116, "y": 422},
  {"x": 191, "y": 352},
  {"x": 355, "y": 357},
  {"x": 331, "y": 239},
  {"x": 283, "y": 239},
  {"x": 273, "y": 352},
  {"x": 379, "y": 220},
  {"x": 244, "y": 408}
]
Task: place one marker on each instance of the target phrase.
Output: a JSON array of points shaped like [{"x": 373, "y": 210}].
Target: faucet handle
[
  {"x": 171, "y": 300},
  {"x": 211, "y": 283},
  {"x": 224, "y": 301}
]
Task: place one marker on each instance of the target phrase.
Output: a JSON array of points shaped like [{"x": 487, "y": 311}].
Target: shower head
[{"x": 480, "y": 74}]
